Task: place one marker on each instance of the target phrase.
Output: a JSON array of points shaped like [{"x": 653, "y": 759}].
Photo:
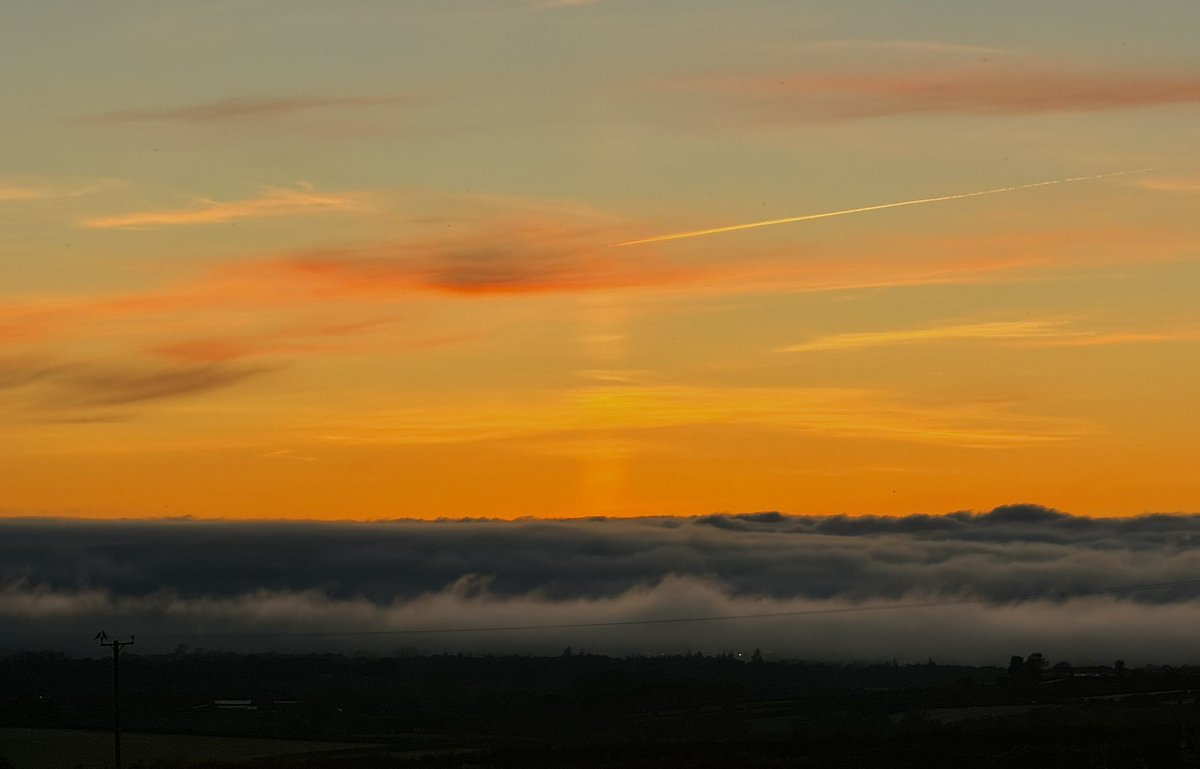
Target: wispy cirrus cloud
[
  {"x": 1099, "y": 339},
  {"x": 305, "y": 301},
  {"x": 1046, "y": 333},
  {"x": 1172, "y": 184},
  {"x": 249, "y": 107},
  {"x": 549, "y": 4},
  {"x": 540, "y": 252},
  {"x": 299, "y": 339},
  {"x": 273, "y": 202},
  {"x": 902, "y": 46},
  {"x": 22, "y": 190},
  {"x": 1024, "y": 90},
  {"x": 159, "y": 351},
  {"x": 997, "y": 330},
  {"x": 269, "y": 311},
  {"x": 616, "y": 407},
  {"x": 518, "y": 251},
  {"x": 9, "y": 191}
]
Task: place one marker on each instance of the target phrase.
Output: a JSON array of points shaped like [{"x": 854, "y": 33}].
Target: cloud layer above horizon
[{"x": 969, "y": 587}]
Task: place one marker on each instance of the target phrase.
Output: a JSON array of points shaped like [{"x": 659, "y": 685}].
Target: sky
[{"x": 376, "y": 260}]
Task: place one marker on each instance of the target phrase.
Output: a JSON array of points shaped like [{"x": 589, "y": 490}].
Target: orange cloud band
[{"x": 272, "y": 203}]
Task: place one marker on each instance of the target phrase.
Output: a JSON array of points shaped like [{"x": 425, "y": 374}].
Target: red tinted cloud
[
  {"x": 1008, "y": 91},
  {"x": 534, "y": 255},
  {"x": 246, "y": 107}
]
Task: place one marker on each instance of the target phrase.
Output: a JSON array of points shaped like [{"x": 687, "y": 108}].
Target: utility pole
[{"x": 102, "y": 637}]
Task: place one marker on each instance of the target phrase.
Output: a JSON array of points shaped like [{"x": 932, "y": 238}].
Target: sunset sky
[{"x": 370, "y": 260}]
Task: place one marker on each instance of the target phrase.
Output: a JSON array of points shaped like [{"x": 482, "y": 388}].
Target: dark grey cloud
[
  {"x": 76, "y": 385},
  {"x": 1017, "y": 576},
  {"x": 111, "y": 386},
  {"x": 16, "y": 373}
]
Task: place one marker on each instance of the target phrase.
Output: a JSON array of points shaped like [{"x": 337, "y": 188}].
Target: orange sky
[{"x": 376, "y": 262}]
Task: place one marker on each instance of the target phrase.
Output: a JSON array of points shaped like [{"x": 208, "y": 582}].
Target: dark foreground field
[
  {"x": 280, "y": 711},
  {"x": 31, "y": 748}
]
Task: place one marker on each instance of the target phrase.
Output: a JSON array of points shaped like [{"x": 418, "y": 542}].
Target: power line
[{"x": 116, "y": 647}]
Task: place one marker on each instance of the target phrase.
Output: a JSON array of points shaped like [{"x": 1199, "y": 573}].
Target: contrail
[{"x": 864, "y": 209}]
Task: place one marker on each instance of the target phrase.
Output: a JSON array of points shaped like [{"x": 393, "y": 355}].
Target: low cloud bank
[{"x": 1011, "y": 581}]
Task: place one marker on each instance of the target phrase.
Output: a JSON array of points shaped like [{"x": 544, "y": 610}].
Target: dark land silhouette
[{"x": 588, "y": 710}]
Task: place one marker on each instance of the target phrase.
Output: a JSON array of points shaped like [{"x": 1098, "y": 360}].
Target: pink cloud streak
[{"x": 1011, "y": 91}]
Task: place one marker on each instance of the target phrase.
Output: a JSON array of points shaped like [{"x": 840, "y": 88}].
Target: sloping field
[{"x": 59, "y": 748}]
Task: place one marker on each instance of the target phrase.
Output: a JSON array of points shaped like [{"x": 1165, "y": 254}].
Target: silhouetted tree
[
  {"x": 1016, "y": 667},
  {"x": 1034, "y": 665},
  {"x": 756, "y": 657},
  {"x": 1119, "y": 666}
]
